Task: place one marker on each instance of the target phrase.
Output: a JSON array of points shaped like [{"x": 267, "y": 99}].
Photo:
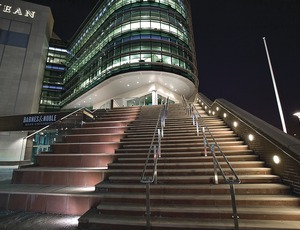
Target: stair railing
[
  {"x": 146, "y": 179},
  {"x": 200, "y": 124},
  {"x": 42, "y": 139}
]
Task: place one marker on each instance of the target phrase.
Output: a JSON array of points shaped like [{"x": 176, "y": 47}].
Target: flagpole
[{"x": 275, "y": 88}]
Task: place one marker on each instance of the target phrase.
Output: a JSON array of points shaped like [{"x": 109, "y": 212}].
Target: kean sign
[{"x": 17, "y": 11}]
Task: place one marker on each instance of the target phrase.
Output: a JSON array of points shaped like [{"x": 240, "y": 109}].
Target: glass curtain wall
[
  {"x": 53, "y": 77},
  {"x": 131, "y": 35}
]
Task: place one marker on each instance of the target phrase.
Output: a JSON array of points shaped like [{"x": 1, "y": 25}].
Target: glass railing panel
[{"x": 42, "y": 140}]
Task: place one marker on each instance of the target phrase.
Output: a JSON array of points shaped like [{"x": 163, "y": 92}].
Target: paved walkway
[
  {"x": 36, "y": 221},
  {"x": 29, "y": 220}
]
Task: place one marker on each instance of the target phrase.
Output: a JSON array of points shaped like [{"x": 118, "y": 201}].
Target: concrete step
[
  {"x": 107, "y": 123},
  {"x": 189, "y": 165},
  {"x": 184, "y": 139},
  {"x": 196, "y": 189},
  {"x": 216, "y": 129},
  {"x": 202, "y": 212},
  {"x": 193, "y": 159},
  {"x": 190, "y": 144},
  {"x": 75, "y": 160},
  {"x": 190, "y": 172},
  {"x": 188, "y": 153},
  {"x": 174, "y": 135},
  {"x": 196, "y": 179},
  {"x": 59, "y": 176},
  {"x": 199, "y": 149},
  {"x": 168, "y": 126},
  {"x": 58, "y": 199},
  {"x": 99, "y": 130},
  {"x": 158, "y": 223},
  {"x": 113, "y": 117},
  {"x": 192, "y": 132},
  {"x": 274, "y": 201},
  {"x": 86, "y": 147},
  {"x": 75, "y": 138}
]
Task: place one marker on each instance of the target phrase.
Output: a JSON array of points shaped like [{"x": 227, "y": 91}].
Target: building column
[{"x": 154, "y": 97}]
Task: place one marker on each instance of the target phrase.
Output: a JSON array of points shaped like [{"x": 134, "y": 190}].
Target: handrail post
[
  {"x": 160, "y": 135},
  {"x": 216, "y": 180},
  {"x": 155, "y": 164},
  {"x": 233, "y": 201},
  {"x": 148, "y": 212},
  {"x": 204, "y": 141}
]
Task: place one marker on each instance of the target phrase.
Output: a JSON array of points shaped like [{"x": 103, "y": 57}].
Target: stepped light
[
  {"x": 251, "y": 137},
  {"x": 225, "y": 115},
  {"x": 235, "y": 124},
  {"x": 276, "y": 159}
]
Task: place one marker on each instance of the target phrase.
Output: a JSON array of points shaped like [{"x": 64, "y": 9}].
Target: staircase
[
  {"x": 185, "y": 197},
  {"x": 63, "y": 180}
]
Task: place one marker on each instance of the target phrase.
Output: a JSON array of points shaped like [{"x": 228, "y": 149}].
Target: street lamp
[{"x": 297, "y": 114}]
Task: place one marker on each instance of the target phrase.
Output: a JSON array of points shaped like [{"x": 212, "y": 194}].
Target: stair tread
[
  {"x": 189, "y": 197},
  {"x": 189, "y": 170},
  {"x": 197, "y": 186},
  {"x": 186, "y": 163},
  {"x": 63, "y": 169},
  {"x": 286, "y": 210},
  {"x": 59, "y": 190},
  {"x": 188, "y": 223}
]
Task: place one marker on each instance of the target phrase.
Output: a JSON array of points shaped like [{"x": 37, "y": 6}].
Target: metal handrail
[
  {"x": 85, "y": 111},
  {"x": 193, "y": 112},
  {"x": 157, "y": 153},
  {"x": 195, "y": 115},
  {"x": 160, "y": 122}
]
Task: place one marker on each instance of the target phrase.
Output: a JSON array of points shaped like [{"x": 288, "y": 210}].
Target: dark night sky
[{"x": 231, "y": 56}]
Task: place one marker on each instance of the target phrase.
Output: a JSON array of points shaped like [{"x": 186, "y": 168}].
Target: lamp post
[
  {"x": 275, "y": 89},
  {"x": 297, "y": 114}
]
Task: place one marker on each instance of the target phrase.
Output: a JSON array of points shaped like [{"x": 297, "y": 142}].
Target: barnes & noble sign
[{"x": 39, "y": 120}]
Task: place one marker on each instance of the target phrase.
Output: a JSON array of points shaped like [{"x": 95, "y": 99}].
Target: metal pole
[
  {"x": 148, "y": 213},
  {"x": 234, "y": 210},
  {"x": 275, "y": 88},
  {"x": 216, "y": 179},
  {"x": 204, "y": 141},
  {"x": 155, "y": 164}
]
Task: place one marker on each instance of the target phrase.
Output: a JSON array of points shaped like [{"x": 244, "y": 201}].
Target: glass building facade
[
  {"x": 138, "y": 39},
  {"x": 55, "y": 69}
]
